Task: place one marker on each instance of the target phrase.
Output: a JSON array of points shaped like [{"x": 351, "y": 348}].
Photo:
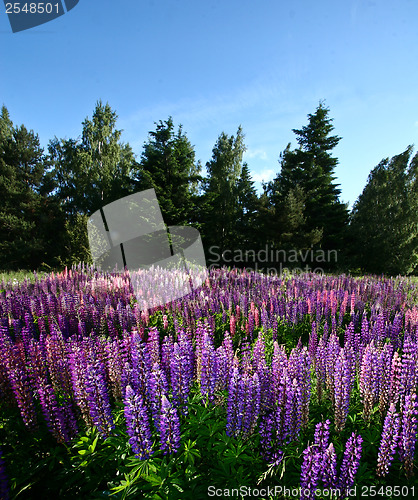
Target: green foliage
[
  {"x": 96, "y": 170},
  {"x": 304, "y": 199},
  {"x": 168, "y": 165},
  {"x": 384, "y": 220},
  {"x": 223, "y": 186},
  {"x": 27, "y": 215}
]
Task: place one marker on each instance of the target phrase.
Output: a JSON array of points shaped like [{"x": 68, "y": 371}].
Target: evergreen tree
[
  {"x": 248, "y": 206},
  {"x": 220, "y": 198},
  {"x": 384, "y": 219},
  {"x": 307, "y": 179},
  {"x": 169, "y": 166},
  {"x": 25, "y": 239}
]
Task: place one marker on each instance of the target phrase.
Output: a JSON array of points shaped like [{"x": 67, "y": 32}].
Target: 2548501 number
[
  {"x": 388, "y": 491},
  {"x": 32, "y": 8}
]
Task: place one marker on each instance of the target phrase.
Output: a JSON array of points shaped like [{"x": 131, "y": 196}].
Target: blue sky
[{"x": 214, "y": 65}]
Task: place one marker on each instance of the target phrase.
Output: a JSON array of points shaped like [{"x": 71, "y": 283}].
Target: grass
[{"x": 17, "y": 276}]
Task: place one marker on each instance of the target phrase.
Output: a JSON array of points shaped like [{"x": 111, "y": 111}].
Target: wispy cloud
[
  {"x": 263, "y": 176},
  {"x": 256, "y": 153}
]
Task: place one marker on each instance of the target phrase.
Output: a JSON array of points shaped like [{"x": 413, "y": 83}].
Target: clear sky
[{"x": 214, "y": 65}]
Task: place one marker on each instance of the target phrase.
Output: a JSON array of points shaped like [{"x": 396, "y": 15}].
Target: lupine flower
[
  {"x": 293, "y": 411},
  {"x": 409, "y": 373},
  {"x": 234, "y": 407},
  {"x": 137, "y": 424},
  {"x": 408, "y": 433},
  {"x": 209, "y": 369},
  {"x": 78, "y": 366},
  {"x": 395, "y": 379},
  {"x": 321, "y": 437},
  {"x": 165, "y": 322},
  {"x": 181, "y": 370},
  {"x": 19, "y": 381},
  {"x": 388, "y": 442},
  {"x": 329, "y": 467},
  {"x": 232, "y": 325},
  {"x": 166, "y": 355},
  {"x": 267, "y": 432},
  {"x": 115, "y": 361},
  {"x": 300, "y": 369},
  {"x": 343, "y": 384},
  {"x": 369, "y": 380},
  {"x": 385, "y": 367},
  {"x": 169, "y": 428},
  {"x": 98, "y": 398},
  {"x": 250, "y": 392},
  {"x": 153, "y": 345},
  {"x": 157, "y": 386},
  {"x": 141, "y": 365},
  {"x": 351, "y": 462},
  {"x": 310, "y": 473},
  {"x": 52, "y": 412}
]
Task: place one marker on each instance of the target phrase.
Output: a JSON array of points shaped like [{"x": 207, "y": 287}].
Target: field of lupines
[{"x": 292, "y": 387}]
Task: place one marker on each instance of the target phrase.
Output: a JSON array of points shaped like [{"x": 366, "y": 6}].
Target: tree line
[{"x": 298, "y": 220}]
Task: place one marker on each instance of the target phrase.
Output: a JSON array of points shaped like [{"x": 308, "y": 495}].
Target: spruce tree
[
  {"x": 247, "y": 214},
  {"x": 307, "y": 172},
  {"x": 169, "y": 166},
  {"x": 25, "y": 241},
  {"x": 220, "y": 197}
]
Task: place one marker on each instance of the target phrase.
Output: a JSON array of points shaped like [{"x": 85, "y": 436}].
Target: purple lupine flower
[
  {"x": 4, "y": 484},
  {"x": 351, "y": 462},
  {"x": 115, "y": 361},
  {"x": 98, "y": 398},
  {"x": 181, "y": 370},
  {"x": 260, "y": 366},
  {"x": 299, "y": 367},
  {"x": 409, "y": 373},
  {"x": 140, "y": 364},
  {"x": 313, "y": 340},
  {"x": 250, "y": 392},
  {"x": 389, "y": 441},
  {"x": 267, "y": 435},
  {"x": 329, "y": 467},
  {"x": 320, "y": 364},
  {"x": 349, "y": 335},
  {"x": 166, "y": 355},
  {"x": 279, "y": 367},
  {"x": 333, "y": 351},
  {"x": 233, "y": 415},
  {"x": 223, "y": 363},
  {"x": 169, "y": 428},
  {"x": 137, "y": 424},
  {"x": 310, "y": 472},
  {"x": 292, "y": 411},
  {"x": 343, "y": 384},
  {"x": 157, "y": 386},
  {"x": 322, "y": 435},
  {"x": 78, "y": 366},
  {"x": 19, "y": 381},
  {"x": 209, "y": 369},
  {"x": 368, "y": 380},
  {"x": 408, "y": 433},
  {"x": 52, "y": 412},
  {"x": 385, "y": 367},
  {"x": 395, "y": 379},
  {"x": 153, "y": 345}
]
